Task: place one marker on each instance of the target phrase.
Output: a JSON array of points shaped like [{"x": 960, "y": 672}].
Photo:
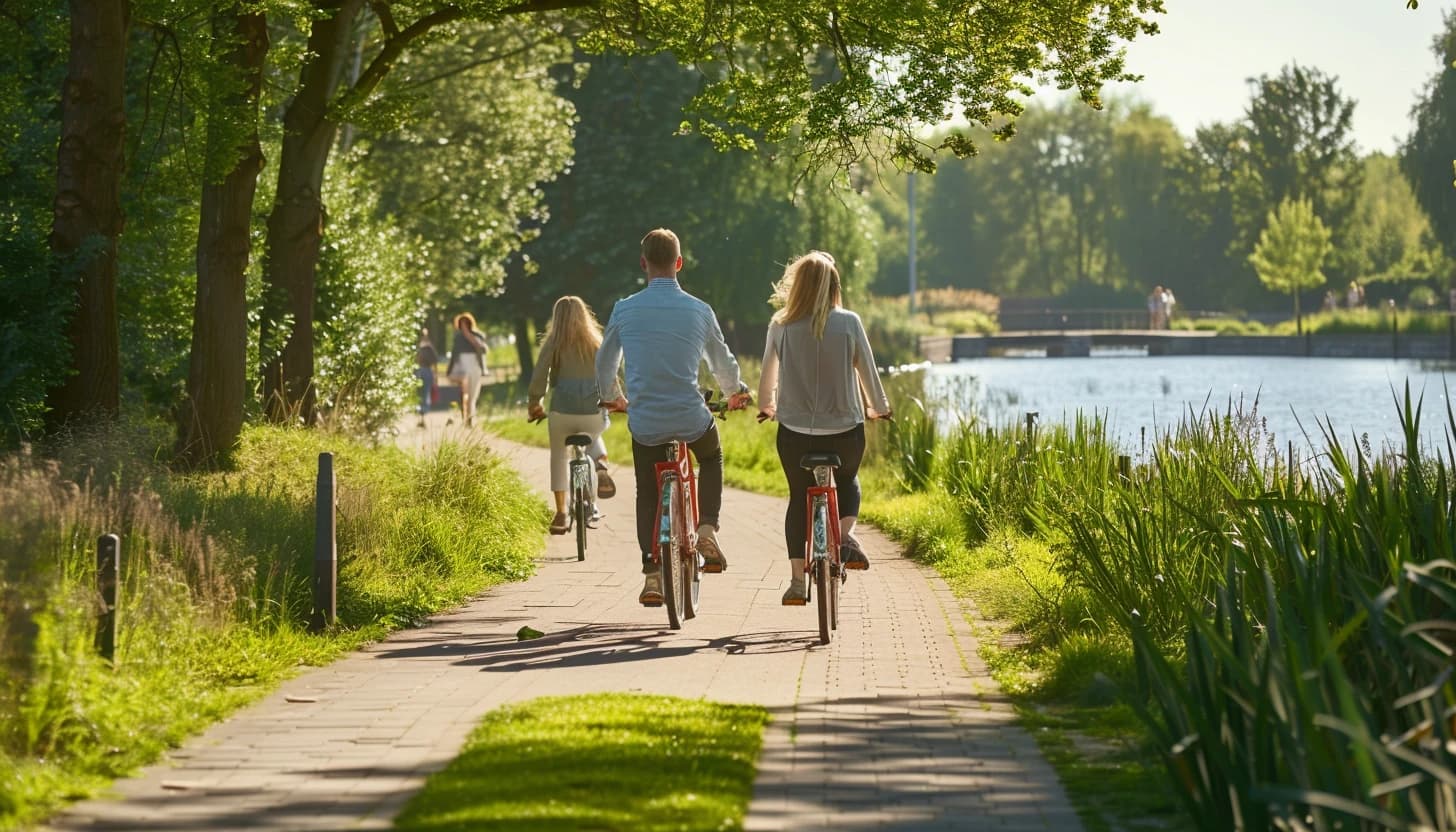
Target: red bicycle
[
  {"x": 675, "y": 546},
  {"x": 823, "y": 568}
]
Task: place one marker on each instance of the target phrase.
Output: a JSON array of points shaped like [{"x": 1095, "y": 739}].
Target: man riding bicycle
[{"x": 663, "y": 333}]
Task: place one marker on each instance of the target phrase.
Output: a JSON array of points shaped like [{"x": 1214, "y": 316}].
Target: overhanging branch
[{"x": 394, "y": 46}]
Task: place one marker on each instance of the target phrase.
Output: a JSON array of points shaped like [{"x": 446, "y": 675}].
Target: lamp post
[{"x": 910, "y": 198}]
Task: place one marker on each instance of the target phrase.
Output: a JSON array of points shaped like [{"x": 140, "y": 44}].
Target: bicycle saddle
[
  {"x": 813, "y": 460},
  {"x": 579, "y": 439}
]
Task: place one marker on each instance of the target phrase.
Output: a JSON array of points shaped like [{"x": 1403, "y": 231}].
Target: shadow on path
[{"x": 587, "y": 645}]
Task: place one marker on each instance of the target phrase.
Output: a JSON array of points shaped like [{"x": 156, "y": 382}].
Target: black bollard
[
  {"x": 325, "y": 550},
  {"x": 108, "y": 577}
]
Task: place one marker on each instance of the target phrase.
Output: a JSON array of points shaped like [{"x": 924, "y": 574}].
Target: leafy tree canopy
[
  {"x": 1427, "y": 160},
  {"x": 1291, "y": 252},
  {"x": 835, "y": 77}
]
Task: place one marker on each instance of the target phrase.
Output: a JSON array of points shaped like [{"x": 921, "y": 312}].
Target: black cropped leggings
[{"x": 850, "y": 446}]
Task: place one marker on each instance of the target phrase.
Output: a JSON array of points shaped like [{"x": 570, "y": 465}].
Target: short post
[
  {"x": 1124, "y": 466},
  {"x": 1030, "y": 427},
  {"x": 1394, "y": 331},
  {"x": 325, "y": 550},
  {"x": 108, "y": 572}
]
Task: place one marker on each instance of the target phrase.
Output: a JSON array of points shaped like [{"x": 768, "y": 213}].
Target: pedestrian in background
[
  {"x": 467, "y": 363},
  {"x": 425, "y": 360}
]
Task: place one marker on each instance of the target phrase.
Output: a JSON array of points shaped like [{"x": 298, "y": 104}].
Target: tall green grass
[
  {"x": 215, "y": 590},
  {"x": 1289, "y": 624},
  {"x": 1315, "y": 689}
]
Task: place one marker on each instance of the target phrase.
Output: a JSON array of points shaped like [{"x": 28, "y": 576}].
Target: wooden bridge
[{"x": 1077, "y": 343}]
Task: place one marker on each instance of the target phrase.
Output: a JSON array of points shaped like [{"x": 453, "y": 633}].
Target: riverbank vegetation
[
  {"x": 1267, "y": 614},
  {"x": 215, "y": 592}
]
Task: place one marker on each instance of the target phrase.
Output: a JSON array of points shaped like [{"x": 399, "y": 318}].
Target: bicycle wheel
[
  {"x": 823, "y": 576},
  {"x": 582, "y": 510},
  {"x": 672, "y": 588},
  {"x": 836, "y": 573},
  {"x": 691, "y": 568},
  {"x": 823, "y": 585},
  {"x": 837, "y": 576}
]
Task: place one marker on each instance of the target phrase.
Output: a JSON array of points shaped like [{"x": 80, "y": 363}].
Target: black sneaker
[{"x": 851, "y": 556}]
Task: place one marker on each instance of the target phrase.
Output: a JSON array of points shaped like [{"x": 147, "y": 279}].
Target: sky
[{"x": 1195, "y": 70}]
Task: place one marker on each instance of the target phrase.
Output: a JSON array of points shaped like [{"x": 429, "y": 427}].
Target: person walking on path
[
  {"x": 467, "y": 363},
  {"x": 425, "y": 360},
  {"x": 816, "y": 360},
  {"x": 663, "y": 333},
  {"x": 567, "y": 364}
]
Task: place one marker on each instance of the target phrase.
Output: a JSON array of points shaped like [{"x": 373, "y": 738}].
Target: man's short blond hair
[{"x": 660, "y": 248}]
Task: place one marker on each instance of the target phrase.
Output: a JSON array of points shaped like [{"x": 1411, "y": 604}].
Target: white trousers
[{"x": 562, "y": 425}]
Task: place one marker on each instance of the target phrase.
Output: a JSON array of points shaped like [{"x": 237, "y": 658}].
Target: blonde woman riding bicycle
[
  {"x": 567, "y": 364},
  {"x": 816, "y": 361}
]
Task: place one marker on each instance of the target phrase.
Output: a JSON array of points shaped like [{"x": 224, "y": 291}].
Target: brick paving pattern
[{"x": 894, "y": 726}]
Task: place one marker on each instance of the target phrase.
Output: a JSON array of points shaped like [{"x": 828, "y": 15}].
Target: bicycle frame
[
  {"x": 821, "y": 565},
  {"x": 679, "y": 466},
  {"x": 823, "y": 539}
]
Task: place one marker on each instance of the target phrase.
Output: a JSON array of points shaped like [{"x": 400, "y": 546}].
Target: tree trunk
[
  {"x": 523, "y": 350},
  {"x": 295, "y": 226},
  {"x": 211, "y": 417},
  {"x": 88, "y": 216}
]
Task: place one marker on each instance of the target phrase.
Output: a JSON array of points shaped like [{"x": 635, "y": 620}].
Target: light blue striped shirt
[{"x": 664, "y": 333}]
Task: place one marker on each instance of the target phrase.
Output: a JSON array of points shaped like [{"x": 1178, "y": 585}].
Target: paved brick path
[{"x": 895, "y": 726}]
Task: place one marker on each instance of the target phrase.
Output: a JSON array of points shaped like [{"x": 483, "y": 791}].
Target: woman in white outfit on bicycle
[
  {"x": 816, "y": 361},
  {"x": 567, "y": 365}
]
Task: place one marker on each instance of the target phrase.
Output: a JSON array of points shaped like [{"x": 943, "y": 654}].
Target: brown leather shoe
[
  {"x": 606, "y": 487},
  {"x": 713, "y": 560},
  {"x": 560, "y": 524},
  {"x": 651, "y": 591}
]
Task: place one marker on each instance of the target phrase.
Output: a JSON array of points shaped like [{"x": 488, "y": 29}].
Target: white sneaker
[
  {"x": 651, "y": 591},
  {"x": 713, "y": 560}
]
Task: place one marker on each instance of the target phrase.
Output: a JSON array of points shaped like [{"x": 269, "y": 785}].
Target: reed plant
[
  {"x": 1314, "y": 689},
  {"x": 1151, "y": 538}
]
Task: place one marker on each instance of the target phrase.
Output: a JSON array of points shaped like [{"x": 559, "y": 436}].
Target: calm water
[{"x": 1139, "y": 391}]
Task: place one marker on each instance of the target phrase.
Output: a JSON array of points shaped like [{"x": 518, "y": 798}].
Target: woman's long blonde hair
[
  {"x": 808, "y": 289},
  {"x": 574, "y": 327}
]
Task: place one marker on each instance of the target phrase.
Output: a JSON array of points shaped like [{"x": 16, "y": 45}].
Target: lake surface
[{"x": 1137, "y": 392}]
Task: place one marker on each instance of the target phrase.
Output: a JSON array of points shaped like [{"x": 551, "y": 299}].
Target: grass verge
[
  {"x": 601, "y": 762},
  {"x": 215, "y": 585}
]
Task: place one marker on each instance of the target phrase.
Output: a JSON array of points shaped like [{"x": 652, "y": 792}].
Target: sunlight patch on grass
[{"x": 600, "y": 761}]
